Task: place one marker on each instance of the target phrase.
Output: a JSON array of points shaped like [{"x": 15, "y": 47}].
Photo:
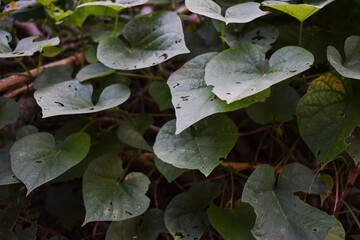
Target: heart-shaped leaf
[
  {"x": 118, "y": 5},
  {"x": 5, "y": 38},
  {"x": 21, "y": 6},
  {"x": 298, "y": 11},
  {"x": 153, "y": 38},
  {"x": 280, "y": 214},
  {"x": 73, "y": 97},
  {"x": 351, "y": 67},
  {"x": 167, "y": 170},
  {"x": 107, "y": 199},
  {"x": 102, "y": 30},
  {"x": 327, "y": 115},
  {"x": 131, "y": 133},
  {"x": 198, "y": 147},
  {"x": 9, "y": 111},
  {"x": 185, "y": 215},
  {"x": 35, "y": 159},
  {"x": 136, "y": 228},
  {"x": 242, "y": 72},
  {"x": 239, "y": 13},
  {"x": 93, "y": 70},
  {"x": 27, "y": 47},
  {"x": 279, "y": 107},
  {"x": 53, "y": 75},
  {"x": 194, "y": 100},
  {"x": 233, "y": 224}
]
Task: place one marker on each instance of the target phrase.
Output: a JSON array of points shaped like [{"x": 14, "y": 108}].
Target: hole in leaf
[
  {"x": 315, "y": 229},
  {"x": 177, "y": 84},
  {"x": 228, "y": 93},
  {"x": 111, "y": 203},
  {"x": 238, "y": 82},
  {"x": 129, "y": 213},
  {"x": 293, "y": 71},
  {"x": 60, "y": 104},
  {"x": 179, "y": 234},
  {"x": 38, "y": 161}
]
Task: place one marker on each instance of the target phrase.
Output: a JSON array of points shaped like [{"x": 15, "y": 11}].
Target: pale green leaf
[
  {"x": 242, "y": 72},
  {"x": 35, "y": 159},
  {"x": 93, "y": 70},
  {"x": 280, "y": 214},
  {"x": 107, "y": 199},
  {"x": 337, "y": 232},
  {"x": 53, "y": 75},
  {"x": 117, "y": 5},
  {"x": 5, "y": 38},
  {"x": 185, "y": 215},
  {"x": 199, "y": 147},
  {"x": 153, "y": 38}
]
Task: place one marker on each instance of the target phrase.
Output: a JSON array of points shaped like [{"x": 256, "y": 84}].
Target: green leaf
[
  {"x": 118, "y": 5},
  {"x": 21, "y": 6},
  {"x": 107, "y": 199},
  {"x": 242, "y": 72},
  {"x": 351, "y": 67},
  {"x": 133, "y": 228},
  {"x": 93, "y": 70},
  {"x": 280, "y": 106},
  {"x": 153, "y": 39},
  {"x": 185, "y": 215},
  {"x": 160, "y": 92},
  {"x": 194, "y": 100},
  {"x": 233, "y": 224},
  {"x": 6, "y": 174},
  {"x": 53, "y": 75},
  {"x": 57, "y": 13},
  {"x": 280, "y": 214},
  {"x": 337, "y": 232},
  {"x": 298, "y": 11},
  {"x": 239, "y": 13},
  {"x": 35, "y": 159},
  {"x": 354, "y": 148},
  {"x": 9, "y": 111},
  {"x": 199, "y": 147},
  {"x": 102, "y": 30},
  {"x": 327, "y": 115},
  {"x": 51, "y": 51},
  {"x": 5, "y": 38},
  {"x": 167, "y": 170},
  {"x": 131, "y": 133},
  {"x": 27, "y": 47},
  {"x": 73, "y": 97},
  {"x": 91, "y": 54}
]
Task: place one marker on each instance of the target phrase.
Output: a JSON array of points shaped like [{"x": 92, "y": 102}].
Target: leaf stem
[
  {"x": 24, "y": 67},
  {"x": 128, "y": 166},
  {"x": 116, "y": 24},
  {"x": 88, "y": 125},
  {"x": 139, "y": 76},
  {"x": 232, "y": 190},
  {"x": 300, "y": 34}
]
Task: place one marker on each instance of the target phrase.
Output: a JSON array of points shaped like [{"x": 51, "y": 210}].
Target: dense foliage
[{"x": 170, "y": 119}]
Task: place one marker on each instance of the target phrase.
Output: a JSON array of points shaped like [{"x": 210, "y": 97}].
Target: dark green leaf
[
  {"x": 160, "y": 92},
  {"x": 94, "y": 70},
  {"x": 9, "y": 111},
  {"x": 53, "y": 75},
  {"x": 167, "y": 170}
]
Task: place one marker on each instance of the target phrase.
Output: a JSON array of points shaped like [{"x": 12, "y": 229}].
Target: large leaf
[
  {"x": 241, "y": 72},
  {"x": 152, "y": 38},
  {"x": 351, "y": 67},
  {"x": 337, "y": 232},
  {"x": 102, "y": 30},
  {"x": 198, "y": 147},
  {"x": 94, "y": 70},
  {"x": 35, "y": 159},
  {"x": 194, "y": 100},
  {"x": 107, "y": 199},
  {"x": 27, "y": 47},
  {"x": 131, "y": 133},
  {"x": 117, "y": 5},
  {"x": 279, "y": 107},
  {"x": 136, "y": 228},
  {"x": 239, "y": 13},
  {"x": 53, "y": 75},
  {"x": 280, "y": 214},
  {"x": 298, "y": 11},
  {"x": 327, "y": 115},
  {"x": 185, "y": 215},
  {"x": 233, "y": 224},
  {"x": 5, "y": 38},
  {"x": 9, "y": 111},
  {"x": 73, "y": 97}
]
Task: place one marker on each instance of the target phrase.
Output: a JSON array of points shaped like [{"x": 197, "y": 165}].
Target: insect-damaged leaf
[
  {"x": 152, "y": 39},
  {"x": 107, "y": 199},
  {"x": 242, "y": 72},
  {"x": 327, "y": 115},
  {"x": 280, "y": 214}
]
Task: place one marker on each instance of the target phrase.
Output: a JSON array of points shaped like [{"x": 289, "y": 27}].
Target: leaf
[
  {"x": 21, "y": 6},
  {"x": 280, "y": 214},
  {"x": 9, "y": 111},
  {"x": 131, "y": 133},
  {"x": 118, "y": 5},
  {"x": 27, "y": 47},
  {"x": 167, "y": 170},
  {"x": 35, "y": 159},
  {"x": 337, "y": 232},
  {"x": 194, "y": 100},
  {"x": 6, "y": 174},
  {"x": 185, "y": 215},
  {"x": 57, "y": 13},
  {"x": 133, "y": 228},
  {"x": 102, "y": 30},
  {"x": 299, "y": 11},
  {"x": 247, "y": 72},
  {"x": 160, "y": 92},
  {"x": 53, "y": 75},
  {"x": 93, "y": 70},
  {"x": 28, "y": 233},
  {"x": 153, "y": 39},
  {"x": 239, "y": 13},
  {"x": 280, "y": 106},
  {"x": 327, "y": 115},
  {"x": 354, "y": 148},
  {"x": 5, "y": 38},
  {"x": 351, "y": 67},
  {"x": 73, "y": 97},
  {"x": 107, "y": 199},
  {"x": 233, "y": 224},
  {"x": 199, "y": 147}
]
